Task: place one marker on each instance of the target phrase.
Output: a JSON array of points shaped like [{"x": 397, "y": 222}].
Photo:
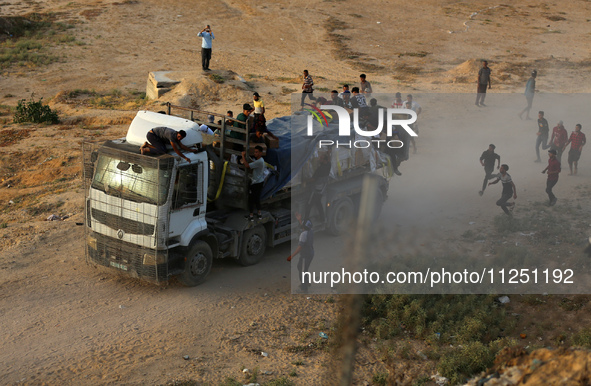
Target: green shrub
[
  {"x": 583, "y": 338},
  {"x": 465, "y": 361},
  {"x": 380, "y": 379},
  {"x": 35, "y": 112}
]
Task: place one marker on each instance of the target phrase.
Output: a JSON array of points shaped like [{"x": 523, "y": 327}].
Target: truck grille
[{"x": 128, "y": 226}]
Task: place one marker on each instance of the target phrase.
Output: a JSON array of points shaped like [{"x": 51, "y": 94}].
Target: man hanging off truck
[{"x": 159, "y": 137}]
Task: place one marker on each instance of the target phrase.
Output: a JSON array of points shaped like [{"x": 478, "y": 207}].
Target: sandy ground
[{"x": 65, "y": 322}]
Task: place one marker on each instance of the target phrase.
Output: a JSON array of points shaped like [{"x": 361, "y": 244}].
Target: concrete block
[{"x": 158, "y": 84}]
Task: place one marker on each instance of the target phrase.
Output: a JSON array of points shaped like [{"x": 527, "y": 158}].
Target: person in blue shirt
[
  {"x": 207, "y": 37},
  {"x": 530, "y": 89}
]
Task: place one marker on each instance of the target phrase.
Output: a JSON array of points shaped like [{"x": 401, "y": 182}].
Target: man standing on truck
[
  {"x": 207, "y": 36},
  {"x": 257, "y": 181},
  {"x": 240, "y": 122},
  {"x": 159, "y": 137}
]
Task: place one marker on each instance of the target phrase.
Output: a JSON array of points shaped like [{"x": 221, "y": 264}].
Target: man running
[
  {"x": 508, "y": 190},
  {"x": 542, "y": 135},
  {"x": 487, "y": 159}
]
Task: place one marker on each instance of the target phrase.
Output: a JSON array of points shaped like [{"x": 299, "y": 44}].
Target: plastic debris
[
  {"x": 527, "y": 234},
  {"x": 186, "y": 357},
  {"x": 323, "y": 335},
  {"x": 54, "y": 217},
  {"x": 264, "y": 354},
  {"x": 504, "y": 299},
  {"x": 246, "y": 371},
  {"x": 439, "y": 379}
]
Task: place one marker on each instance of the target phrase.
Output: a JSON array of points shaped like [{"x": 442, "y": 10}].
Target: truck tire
[
  {"x": 197, "y": 264},
  {"x": 341, "y": 216},
  {"x": 253, "y": 246}
]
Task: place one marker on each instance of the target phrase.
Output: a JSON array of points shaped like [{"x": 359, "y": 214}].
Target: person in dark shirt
[
  {"x": 159, "y": 137},
  {"x": 305, "y": 249},
  {"x": 508, "y": 189},
  {"x": 487, "y": 159},
  {"x": 317, "y": 185},
  {"x": 483, "y": 81},
  {"x": 257, "y": 136},
  {"x": 542, "y": 135},
  {"x": 530, "y": 89},
  {"x": 240, "y": 122},
  {"x": 553, "y": 169}
]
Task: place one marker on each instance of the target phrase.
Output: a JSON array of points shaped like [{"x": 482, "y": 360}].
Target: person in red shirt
[
  {"x": 558, "y": 139},
  {"x": 553, "y": 169},
  {"x": 577, "y": 140}
]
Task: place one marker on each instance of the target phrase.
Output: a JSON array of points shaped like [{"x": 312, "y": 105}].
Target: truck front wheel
[
  {"x": 197, "y": 264},
  {"x": 253, "y": 246}
]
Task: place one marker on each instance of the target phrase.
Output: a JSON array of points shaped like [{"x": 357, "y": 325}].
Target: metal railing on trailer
[{"x": 236, "y": 181}]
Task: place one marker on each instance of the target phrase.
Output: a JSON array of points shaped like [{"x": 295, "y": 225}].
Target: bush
[
  {"x": 583, "y": 338},
  {"x": 35, "y": 112}
]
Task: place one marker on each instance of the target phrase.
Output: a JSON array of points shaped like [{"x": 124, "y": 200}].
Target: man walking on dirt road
[{"x": 482, "y": 81}]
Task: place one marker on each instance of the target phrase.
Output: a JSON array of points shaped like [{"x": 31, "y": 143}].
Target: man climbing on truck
[
  {"x": 159, "y": 137},
  {"x": 258, "y": 179}
]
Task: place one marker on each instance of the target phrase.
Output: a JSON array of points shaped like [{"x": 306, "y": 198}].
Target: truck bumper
[{"x": 127, "y": 259}]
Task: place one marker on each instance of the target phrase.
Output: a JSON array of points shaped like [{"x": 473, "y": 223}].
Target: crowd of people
[{"x": 559, "y": 141}]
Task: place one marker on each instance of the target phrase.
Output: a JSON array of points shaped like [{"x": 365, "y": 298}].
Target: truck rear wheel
[
  {"x": 253, "y": 246},
  {"x": 197, "y": 264},
  {"x": 341, "y": 215}
]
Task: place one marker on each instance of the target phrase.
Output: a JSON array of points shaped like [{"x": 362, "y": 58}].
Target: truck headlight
[{"x": 151, "y": 259}]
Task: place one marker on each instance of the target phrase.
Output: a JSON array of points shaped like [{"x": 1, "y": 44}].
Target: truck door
[{"x": 188, "y": 197}]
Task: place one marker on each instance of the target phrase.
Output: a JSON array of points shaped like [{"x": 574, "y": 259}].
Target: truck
[{"x": 159, "y": 217}]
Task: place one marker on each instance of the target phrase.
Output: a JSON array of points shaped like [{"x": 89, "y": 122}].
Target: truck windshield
[{"x": 134, "y": 182}]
